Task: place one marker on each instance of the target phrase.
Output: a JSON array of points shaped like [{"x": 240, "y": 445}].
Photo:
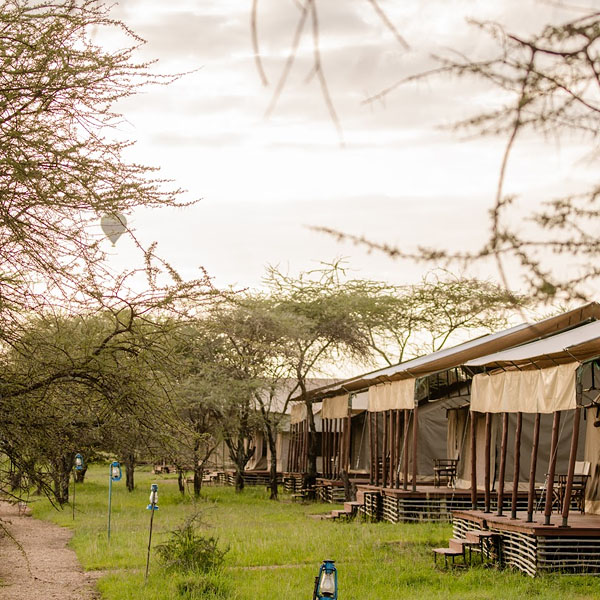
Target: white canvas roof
[
  {"x": 581, "y": 343},
  {"x": 466, "y": 352}
]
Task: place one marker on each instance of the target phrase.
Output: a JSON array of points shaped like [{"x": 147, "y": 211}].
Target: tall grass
[{"x": 275, "y": 549}]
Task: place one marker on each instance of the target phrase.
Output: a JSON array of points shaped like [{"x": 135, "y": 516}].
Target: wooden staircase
[
  {"x": 479, "y": 541},
  {"x": 349, "y": 511}
]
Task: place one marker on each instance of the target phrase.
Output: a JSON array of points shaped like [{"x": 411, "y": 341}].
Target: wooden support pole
[
  {"x": 533, "y": 467},
  {"x": 405, "y": 449},
  {"x": 384, "y": 450},
  {"x": 415, "y": 444},
  {"x": 376, "y": 448},
  {"x": 571, "y": 471},
  {"x": 551, "y": 468},
  {"x": 336, "y": 451},
  {"x": 348, "y": 429},
  {"x": 397, "y": 445},
  {"x": 516, "y": 467},
  {"x": 486, "y": 481},
  {"x": 325, "y": 444},
  {"x": 502, "y": 473},
  {"x": 392, "y": 453},
  {"x": 473, "y": 460},
  {"x": 371, "y": 450}
]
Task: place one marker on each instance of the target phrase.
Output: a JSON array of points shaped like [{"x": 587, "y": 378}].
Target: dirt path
[{"x": 55, "y": 572}]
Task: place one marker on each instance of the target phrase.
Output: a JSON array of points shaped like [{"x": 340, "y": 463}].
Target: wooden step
[
  {"x": 459, "y": 544},
  {"x": 447, "y": 551},
  {"x": 476, "y": 536}
]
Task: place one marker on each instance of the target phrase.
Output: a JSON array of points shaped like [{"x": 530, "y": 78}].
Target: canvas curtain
[
  {"x": 392, "y": 396},
  {"x": 298, "y": 413},
  {"x": 335, "y": 408},
  {"x": 533, "y": 391}
]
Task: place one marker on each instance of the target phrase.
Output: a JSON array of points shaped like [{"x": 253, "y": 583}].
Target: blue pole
[{"x": 110, "y": 480}]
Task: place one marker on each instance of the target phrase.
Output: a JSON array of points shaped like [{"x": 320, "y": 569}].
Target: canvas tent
[{"x": 554, "y": 376}]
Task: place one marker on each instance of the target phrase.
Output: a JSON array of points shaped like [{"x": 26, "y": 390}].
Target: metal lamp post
[
  {"x": 152, "y": 506},
  {"x": 114, "y": 474},
  {"x": 79, "y": 464},
  {"x": 326, "y": 582}
]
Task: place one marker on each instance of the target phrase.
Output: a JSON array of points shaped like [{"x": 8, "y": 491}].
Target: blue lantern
[
  {"x": 326, "y": 584},
  {"x": 79, "y": 464},
  {"x": 153, "y": 497},
  {"x": 115, "y": 471}
]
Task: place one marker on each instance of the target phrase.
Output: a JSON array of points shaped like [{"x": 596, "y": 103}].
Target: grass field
[{"x": 275, "y": 549}]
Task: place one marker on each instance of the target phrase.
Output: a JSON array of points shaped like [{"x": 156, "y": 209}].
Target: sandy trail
[{"x": 55, "y": 572}]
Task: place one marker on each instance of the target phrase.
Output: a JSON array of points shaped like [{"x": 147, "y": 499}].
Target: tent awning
[
  {"x": 581, "y": 343},
  {"x": 534, "y": 391}
]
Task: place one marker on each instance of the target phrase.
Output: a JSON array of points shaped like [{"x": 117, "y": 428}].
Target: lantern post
[
  {"x": 152, "y": 506},
  {"x": 114, "y": 474},
  {"x": 79, "y": 464}
]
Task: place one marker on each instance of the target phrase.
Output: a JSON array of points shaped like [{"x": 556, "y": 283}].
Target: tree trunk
[
  {"x": 271, "y": 440},
  {"x": 129, "y": 470},
  {"x": 61, "y": 478},
  {"x": 198, "y": 471},
  {"x": 239, "y": 479},
  {"x": 310, "y": 477},
  {"x": 181, "y": 480}
]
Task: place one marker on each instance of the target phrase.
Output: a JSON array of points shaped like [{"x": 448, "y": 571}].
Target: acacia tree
[
  {"x": 426, "y": 316},
  {"x": 549, "y": 83},
  {"x": 62, "y": 166}
]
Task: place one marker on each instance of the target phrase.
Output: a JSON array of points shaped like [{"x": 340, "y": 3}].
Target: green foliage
[
  {"x": 204, "y": 587},
  {"x": 188, "y": 550},
  {"x": 276, "y": 549}
]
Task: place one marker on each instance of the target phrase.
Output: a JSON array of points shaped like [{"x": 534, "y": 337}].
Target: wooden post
[
  {"x": 551, "y": 469},
  {"x": 533, "y": 467},
  {"x": 570, "y": 473},
  {"x": 347, "y": 461},
  {"x": 516, "y": 467},
  {"x": 405, "y": 449},
  {"x": 337, "y": 453},
  {"x": 376, "y": 448},
  {"x": 500, "y": 495},
  {"x": 473, "y": 460},
  {"x": 371, "y": 450},
  {"x": 415, "y": 440},
  {"x": 384, "y": 449},
  {"x": 392, "y": 453},
  {"x": 397, "y": 445},
  {"x": 486, "y": 481}
]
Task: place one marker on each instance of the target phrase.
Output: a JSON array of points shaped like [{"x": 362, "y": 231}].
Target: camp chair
[
  {"x": 444, "y": 468},
  {"x": 581, "y": 475}
]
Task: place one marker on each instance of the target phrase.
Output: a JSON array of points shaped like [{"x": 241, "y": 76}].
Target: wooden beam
[
  {"x": 571, "y": 471},
  {"x": 371, "y": 450},
  {"x": 551, "y": 468},
  {"x": 516, "y": 466},
  {"x": 533, "y": 467},
  {"x": 502, "y": 473},
  {"x": 384, "y": 449},
  {"x": 486, "y": 481},
  {"x": 376, "y": 448},
  {"x": 397, "y": 444},
  {"x": 405, "y": 449},
  {"x": 473, "y": 460},
  {"x": 415, "y": 444}
]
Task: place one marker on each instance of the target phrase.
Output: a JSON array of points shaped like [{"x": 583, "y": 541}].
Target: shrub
[
  {"x": 189, "y": 550},
  {"x": 203, "y": 587}
]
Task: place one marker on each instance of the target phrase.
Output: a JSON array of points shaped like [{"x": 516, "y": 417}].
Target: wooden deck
[
  {"x": 535, "y": 548},
  {"x": 427, "y": 503}
]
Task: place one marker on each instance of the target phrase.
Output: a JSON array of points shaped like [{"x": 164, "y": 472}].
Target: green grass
[{"x": 275, "y": 549}]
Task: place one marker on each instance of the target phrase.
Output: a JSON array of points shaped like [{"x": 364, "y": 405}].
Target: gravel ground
[{"x": 50, "y": 571}]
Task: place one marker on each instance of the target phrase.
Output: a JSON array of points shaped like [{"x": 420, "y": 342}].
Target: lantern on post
[
  {"x": 326, "y": 583},
  {"x": 114, "y": 474},
  {"x": 152, "y": 506},
  {"x": 78, "y": 466}
]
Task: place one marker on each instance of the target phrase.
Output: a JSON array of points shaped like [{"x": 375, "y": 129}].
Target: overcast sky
[{"x": 262, "y": 181}]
